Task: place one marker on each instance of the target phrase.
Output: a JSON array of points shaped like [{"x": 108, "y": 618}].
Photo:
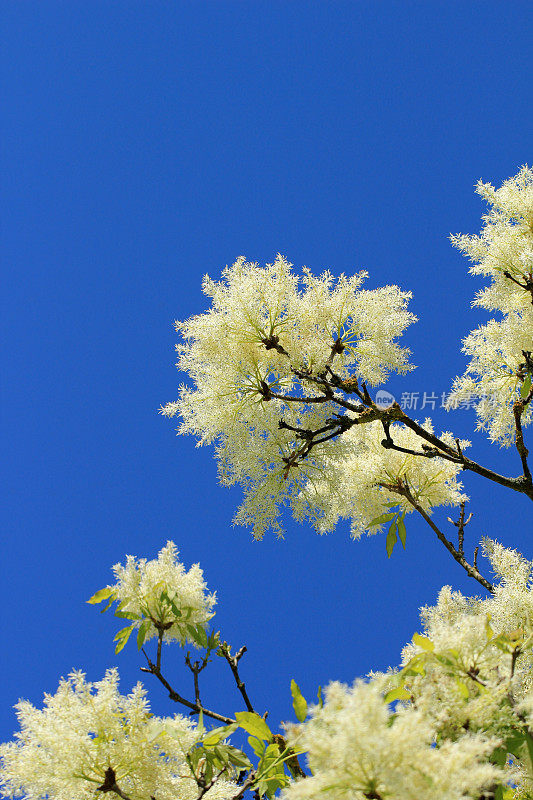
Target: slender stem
[
  {"x": 290, "y": 399},
  {"x": 196, "y": 668},
  {"x": 233, "y": 664},
  {"x": 159, "y": 643},
  {"x": 523, "y": 452},
  {"x": 471, "y": 570}
]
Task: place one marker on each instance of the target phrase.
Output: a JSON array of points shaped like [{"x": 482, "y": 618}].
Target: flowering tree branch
[
  {"x": 369, "y": 412},
  {"x": 402, "y": 488}
]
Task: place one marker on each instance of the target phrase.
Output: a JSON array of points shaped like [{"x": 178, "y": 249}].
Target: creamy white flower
[
  {"x": 358, "y": 750},
  {"x": 464, "y": 696},
  {"x": 243, "y": 355},
  {"x": 153, "y": 590},
  {"x": 505, "y": 243},
  {"x": 476, "y": 674},
  {"x": 504, "y": 253},
  {"x": 64, "y": 749}
]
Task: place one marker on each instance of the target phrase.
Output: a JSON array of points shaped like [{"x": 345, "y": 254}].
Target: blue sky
[{"x": 146, "y": 144}]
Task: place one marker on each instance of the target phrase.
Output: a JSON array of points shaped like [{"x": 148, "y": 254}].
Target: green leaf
[
  {"x": 397, "y": 694},
  {"x": 142, "y": 633},
  {"x": 320, "y": 698},
  {"x": 197, "y": 634},
  {"x": 238, "y": 758},
  {"x": 127, "y": 614},
  {"x": 101, "y": 594},
  {"x": 122, "y": 637},
  {"x": 514, "y": 743},
  {"x": 122, "y": 633},
  {"x": 202, "y": 636},
  {"x": 423, "y": 642},
  {"x": 108, "y": 606},
  {"x": 526, "y": 386},
  {"x": 254, "y": 724},
  {"x": 219, "y": 734},
  {"x": 402, "y": 533},
  {"x": 257, "y": 746},
  {"x": 381, "y": 519},
  {"x": 499, "y": 756},
  {"x": 299, "y": 703},
  {"x": 391, "y": 539}
]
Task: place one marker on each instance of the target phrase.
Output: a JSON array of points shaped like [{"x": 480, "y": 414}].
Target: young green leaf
[
  {"x": 201, "y": 636},
  {"x": 219, "y": 734},
  {"x": 526, "y": 386},
  {"x": 142, "y": 633},
  {"x": 381, "y": 519},
  {"x": 299, "y": 703},
  {"x": 122, "y": 637},
  {"x": 397, "y": 694},
  {"x": 257, "y": 745},
  {"x": 101, "y": 594},
  {"x": 254, "y": 724},
  {"x": 402, "y": 533},
  {"x": 423, "y": 642},
  {"x": 391, "y": 539},
  {"x": 463, "y": 689}
]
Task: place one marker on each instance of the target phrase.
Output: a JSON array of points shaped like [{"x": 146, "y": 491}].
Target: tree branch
[
  {"x": 196, "y": 668},
  {"x": 233, "y": 661},
  {"x": 471, "y": 570},
  {"x": 110, "y": 784},
  {"x": 195, "y": 707},
  {"x": 523, "y": 452},
  {"x": 460, "y": 525}
]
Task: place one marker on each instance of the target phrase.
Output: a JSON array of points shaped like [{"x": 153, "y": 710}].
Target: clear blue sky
[{"x": 146, "y": 144}]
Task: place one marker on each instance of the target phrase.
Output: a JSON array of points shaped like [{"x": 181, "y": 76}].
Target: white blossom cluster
[
  {"x": 64, "y": 750},
  {"x": 465, "y": 708},
  {"x": 153, "y": 590},
  {"x": 358, "y": 749},
  {"x": 503, "y": 252},
  {"x": 359, "y": 483},
  {"x": 264, "y": 326}
]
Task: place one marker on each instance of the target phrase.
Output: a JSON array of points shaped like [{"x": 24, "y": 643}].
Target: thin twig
[
  {"x": 196, "y": 708},
  {"x": 233, "y": 662},
  {"x": 196, "y": 668},
  {"x": 523, "y": 452},
  {"x": 460, "y": 525},
  {"x": 471, "y": 570}
]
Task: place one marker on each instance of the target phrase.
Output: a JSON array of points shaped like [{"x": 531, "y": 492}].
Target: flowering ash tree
[{"x": 281, "y": 368}]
